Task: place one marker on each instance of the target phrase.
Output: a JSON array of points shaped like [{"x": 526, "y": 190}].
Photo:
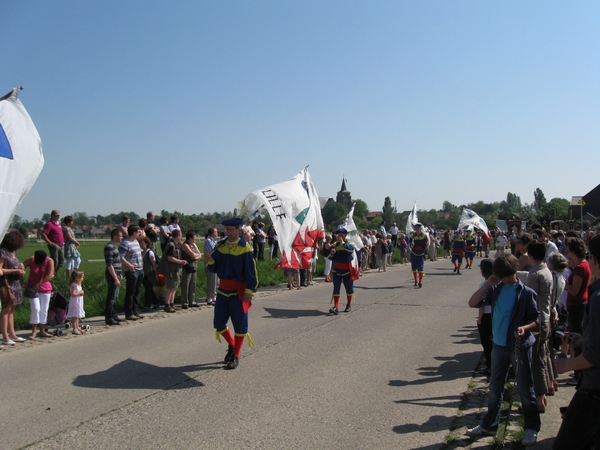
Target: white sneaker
[
  {"x": 479, "y": 431},
  {"x": 530, "y": 437}
]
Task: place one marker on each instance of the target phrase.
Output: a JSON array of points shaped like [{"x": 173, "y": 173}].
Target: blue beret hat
[{"x": 233, "y": 222}]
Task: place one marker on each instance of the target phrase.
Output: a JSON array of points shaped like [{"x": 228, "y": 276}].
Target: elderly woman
[
  {"x": 38, "y": 290},
  {"x": 72, "y": 256},
  {"x": 190, "y": 253},
  {"x": 12, "y": 271}
]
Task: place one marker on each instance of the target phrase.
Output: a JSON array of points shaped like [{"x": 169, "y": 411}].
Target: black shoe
[
  {"x": 334, "y": 311},
  {"x": 455, "y": 269},
  {"x": 230, "y": 354},
  {"x": 232, "y": 364},
  {"x": 420, "y": 285},
  {"x": 458, "y": 272},
  {"x": 155, "y": 307},
  {"x": 133, "y": 318},
  {"x": 184, "y": 306},
  {"x": 146, "y": 309},
  {"x": 194, "y": 305},
  {"x": 416, "y": 284},
  {"x": 348, "y": 308},
  {"x": 117, "y": 319},
  {"x": 112, "y": 322}
]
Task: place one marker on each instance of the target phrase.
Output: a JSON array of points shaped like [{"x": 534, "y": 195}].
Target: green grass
[{"x": 94, "y": 283}]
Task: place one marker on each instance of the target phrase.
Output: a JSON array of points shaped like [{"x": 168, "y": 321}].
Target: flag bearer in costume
[
  {"x": 458, "y": 250},
  {"x": 232, "y": 261},
  {"x": 341, "y": 254},
  {"x": 470, "y": 240},
  {"x": 418, "y": 246}
]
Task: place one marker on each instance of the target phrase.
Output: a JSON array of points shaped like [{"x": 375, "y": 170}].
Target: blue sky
[{"x": 190, "y": 105}]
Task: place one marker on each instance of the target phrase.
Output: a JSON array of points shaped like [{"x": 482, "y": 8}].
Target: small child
[{"x": 76, "y": 311}]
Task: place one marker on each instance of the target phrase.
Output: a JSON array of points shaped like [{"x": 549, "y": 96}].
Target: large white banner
[
  {"x": 21, "y": 158},
  {"x": 296, "y": 215},
  {"x": 412, "y": 220},
  {"x": 470, "y": 218}
]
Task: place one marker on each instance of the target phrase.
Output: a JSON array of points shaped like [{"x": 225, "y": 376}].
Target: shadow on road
[
  {"x": 365, "y": 288},
  {"x": 132, "y": 374},
  {"x": 452, "y": 368},
  {"x": 275, "y": 313}
]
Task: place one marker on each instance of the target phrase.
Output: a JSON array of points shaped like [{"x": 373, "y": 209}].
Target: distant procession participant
[
  {"x": 53, "y": 236},
  {"x": 418, "y": 245},
  {"x": 341, "y": 254},
  {"x": 469, "y": 249},
  {"x": 458, "y": 250},
  {"x": 235, "y": 267}
]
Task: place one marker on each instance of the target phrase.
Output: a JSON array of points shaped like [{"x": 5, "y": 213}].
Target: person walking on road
[
  {"x": 341, "y": 254},
  {"x": 232, "y": 261}
]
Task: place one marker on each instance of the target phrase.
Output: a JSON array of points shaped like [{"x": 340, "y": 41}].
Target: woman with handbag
[
  {"x": 38, "y": 290},
  {"x": 10, "y": 285}
]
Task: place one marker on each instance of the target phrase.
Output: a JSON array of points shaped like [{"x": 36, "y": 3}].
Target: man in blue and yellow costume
[
  {"x": 342, "y": 252},
  {"x": 458, "y": 250},
  {"x": 232, "y": 261},
  {"x": 469, "y": 249},
  {"x": 418, "y": 246}
]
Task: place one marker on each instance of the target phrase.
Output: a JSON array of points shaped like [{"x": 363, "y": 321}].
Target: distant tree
[
  {"x": 333, "y": 213},
  {"x": 361, "y": 210},
  {"x": 539, "y": 201},
  {"x": 557, "y": 209},
  {"x": 16, "y": 221},
  {"x": 80, "y": 218},
  {"x": 387, "y": 212},
  {"x": 513, "y": 202}
]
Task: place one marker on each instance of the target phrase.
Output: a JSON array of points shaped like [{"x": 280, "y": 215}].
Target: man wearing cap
[
  {"x": 342, "y": 252},
  {"x": 458, "y": 250},
  {"x": 469, "y": 249},
  {"x": 232, "y": 261},
  {"x": 418, "y": 245}
]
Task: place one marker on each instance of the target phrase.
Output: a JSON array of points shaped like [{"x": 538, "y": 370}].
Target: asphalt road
[{"x": 390, "y": 374}]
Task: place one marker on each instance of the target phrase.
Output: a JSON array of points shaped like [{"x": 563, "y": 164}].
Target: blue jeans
[
  {"x": 580, "y": 429},
  {"x": 502, "y": 358},
  {"x": 132, "y": 291},
  {"x": 111, "y": 297}
]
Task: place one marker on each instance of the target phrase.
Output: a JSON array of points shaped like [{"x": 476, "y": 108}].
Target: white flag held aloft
[
  {"x": 296, "y": 215},
  {"x": 350, "y": 226},
  {"x": 21, "y": 158},
  {"x": 470, "y": 218},
  {"x": 412, "y": 220}
]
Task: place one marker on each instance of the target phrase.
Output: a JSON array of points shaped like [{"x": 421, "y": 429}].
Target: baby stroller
[{"x": 57, "y": 313}]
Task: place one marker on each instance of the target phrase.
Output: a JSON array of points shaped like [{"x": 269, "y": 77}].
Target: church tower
[{"x": 343, "y": 196}]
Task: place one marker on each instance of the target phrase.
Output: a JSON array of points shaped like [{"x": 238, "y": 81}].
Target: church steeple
[{"x": 343, "y": 196}]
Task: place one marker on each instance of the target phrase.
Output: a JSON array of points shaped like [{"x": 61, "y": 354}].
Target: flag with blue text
[
  {"x": 295, "y": 211},
  {"x": 21, "y": 157}
]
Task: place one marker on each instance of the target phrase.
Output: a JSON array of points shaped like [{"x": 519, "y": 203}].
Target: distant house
[
  {"x": 373, "y": 215},
  {"x": 588, "y": 204}
]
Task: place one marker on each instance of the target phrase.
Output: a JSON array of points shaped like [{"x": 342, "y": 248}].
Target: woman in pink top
[{"x": 41, "y": 271}]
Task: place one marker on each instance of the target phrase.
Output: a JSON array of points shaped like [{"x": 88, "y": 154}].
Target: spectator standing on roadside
[
  {"x": 501, "y": 243},
  {"x": 41, "y": 271},
  {"x": 164, "y": 233},
  {"x": 72, "y": 256},
  {"x": 394, "y": 235},
  {"x": 12, "y": 272},
  {"x": 580, "y": 428},
  {"x": 151, "y": 300},
  {"x": 174, "y": 225},
  {"x": 484, "y": 319},
  {"x": 125, "y": 222},
  {"x": 151, "y": 231},
  {"x": 273, "y": 243},
  {"x": 210, "y": 242},
  {"x": 170, "y": 267},
  {"x": 133, "y": 269},
  {"x": 53, "y": 235},
  {"x": 514, "y": 316},
  {"x": 113, "y": 276},
  {"x": 190, "y": 253}
]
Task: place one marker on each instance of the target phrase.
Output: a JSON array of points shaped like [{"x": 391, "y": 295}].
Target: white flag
[
  {"x": 412, "y": 220},
  {"x": 470, "y": 218},
  {"x": 296, "y": 215},
  {"x": 350, "y": 226},
  {"x": 21, "y": 158}
]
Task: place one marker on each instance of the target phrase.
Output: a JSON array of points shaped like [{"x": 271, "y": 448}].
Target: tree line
[{"x": 335, "y": 213}]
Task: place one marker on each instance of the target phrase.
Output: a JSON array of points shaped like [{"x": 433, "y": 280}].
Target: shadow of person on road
[
  {"x": 132, "y": 374},
  {"x": 275, "y": 313}
]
